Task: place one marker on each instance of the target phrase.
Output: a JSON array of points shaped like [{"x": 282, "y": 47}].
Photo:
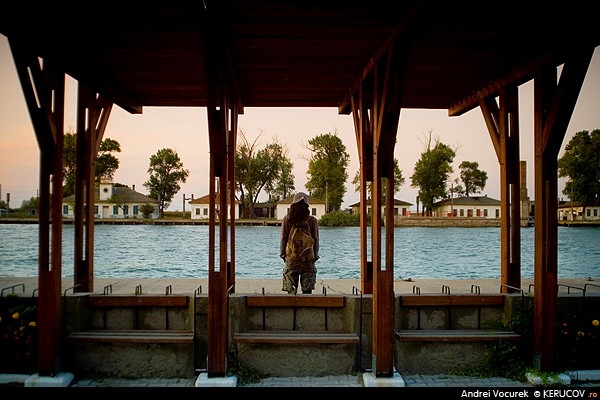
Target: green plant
[
  {"x": 244, "y": 375},
  {"x": 547, "y": 378},
  {"x": 509, "y": 359},
  {"x": 340, "y": 218},
  {"x": 502, "y": 359},
  {"x": 578, "y": 342},
  {"x": 19, "y": 340}
]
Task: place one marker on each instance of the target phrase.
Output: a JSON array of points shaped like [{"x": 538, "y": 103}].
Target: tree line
[{"x": 269, "y": 169}]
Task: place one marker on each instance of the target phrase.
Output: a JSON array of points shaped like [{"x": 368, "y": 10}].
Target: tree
[
  {"x": 327, "y": 168},
  {"x": 146, "y": 209},
  {"x": 166, "y": 173},
  {"x": 398, "y": 181},
  {"x": 431, "y": 172},
  {"x": 269, "y": 168},
  {"x": 106, "y": 163},
  {"x": 283, "y": 185},
  {"x": 580, "y": 163},
  {"x": 472, "y": 177},
  {"x": 32, "y": 204}
]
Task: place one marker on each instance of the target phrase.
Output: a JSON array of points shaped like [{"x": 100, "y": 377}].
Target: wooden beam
[
  {"x": 364, "y": 139},
  {"x": 398, "y": 37},
  {"x": 510, "y": 225},
  {"x": 515, "y": 77},
  {"x": 223, "y": 100},
  {"x": 44, "y": 91},
  {"x": 294, "y": 301},
  {"x": 37, "y": 92},
  {"x": 139, "y": 301},
  {"x": 553, "y": 107},
  {"x": 232, "y": 148},
  {"x": 491, "y": 115},
  {"x": 93, "y": 112},
  {"x": 436, "y": 300},
  {"x": 384, "y": 126}
]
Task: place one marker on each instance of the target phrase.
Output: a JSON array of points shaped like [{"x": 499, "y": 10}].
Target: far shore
[{"x": 408, "y": 221}]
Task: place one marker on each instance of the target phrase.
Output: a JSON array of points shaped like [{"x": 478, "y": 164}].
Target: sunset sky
[{"x": 185, "y": 130}]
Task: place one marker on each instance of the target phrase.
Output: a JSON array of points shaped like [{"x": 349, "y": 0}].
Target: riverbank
[{"x": 450, "y": 222}]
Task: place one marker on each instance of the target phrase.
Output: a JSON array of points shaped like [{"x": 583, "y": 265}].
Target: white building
[
  {"x": 316, "y": 207},
  {"x": 401, "y": 208},
  {"x": 114, "y": 201},
  {"x": 201, "y": 207},
  {"x": 468, "y": 206},
  {"x": 577, "y": 212}
]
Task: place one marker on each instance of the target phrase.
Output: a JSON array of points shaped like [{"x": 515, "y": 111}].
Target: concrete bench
[
  {"x": 442, "y": 333},
  {"x": 152, "y": 336},
  {"x": 132, "y": 312},
  {"x": 134, "y": 335},
  {"x": 141, "y": 300},
  {"x": 477, "y": 305},
  {"x": 272, "y": 305},
  {"x": 291, "y": 336},
  {"x": 296, "y": 335},
  {"x": 320, "y": 301},
  {"x": 436, "y": 300},
  {"x": 464, "y": 335}
]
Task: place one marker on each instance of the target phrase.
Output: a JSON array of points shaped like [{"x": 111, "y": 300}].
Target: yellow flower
[
  {"x": 32, "y": 324},
  {"x": 580, "y": 334},
  {"x": 595, "y": 322},
  {"x": 16, "y": 315}
]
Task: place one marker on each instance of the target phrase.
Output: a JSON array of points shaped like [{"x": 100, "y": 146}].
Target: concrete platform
[
  {"x": 204, "y": 381},
  {"x": 370, "y": 380},
  {"x": 63, "y": 379}
]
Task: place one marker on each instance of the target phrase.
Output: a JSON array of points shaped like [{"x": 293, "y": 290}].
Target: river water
[{"x": 181, "y": 251}]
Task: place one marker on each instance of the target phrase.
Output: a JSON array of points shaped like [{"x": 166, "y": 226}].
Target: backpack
[{"x": 300, "y": 244}]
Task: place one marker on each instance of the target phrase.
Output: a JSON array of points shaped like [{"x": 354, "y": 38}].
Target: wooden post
[
  {"x": 364, "y": 141},
  {"x": 553, "y": 107},
  {"x": 44, "y": 90}
]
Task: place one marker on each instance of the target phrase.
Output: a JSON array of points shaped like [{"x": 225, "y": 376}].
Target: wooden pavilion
[{"x": 371, "y": 59}]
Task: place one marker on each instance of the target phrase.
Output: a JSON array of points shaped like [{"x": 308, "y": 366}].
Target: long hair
[{"x": 298, "y": 212}]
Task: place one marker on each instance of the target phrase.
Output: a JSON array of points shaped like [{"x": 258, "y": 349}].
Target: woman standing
[{"x": 299, "y": 246}]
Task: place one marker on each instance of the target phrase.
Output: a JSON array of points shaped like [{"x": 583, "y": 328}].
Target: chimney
[{"x": 133, "y": 187}]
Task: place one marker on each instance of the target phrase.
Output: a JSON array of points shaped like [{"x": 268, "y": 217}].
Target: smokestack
[{"x": 523, "y": 180}]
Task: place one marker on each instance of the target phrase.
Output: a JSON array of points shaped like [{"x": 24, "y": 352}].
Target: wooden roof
[{"x": 301, "y": 53}]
